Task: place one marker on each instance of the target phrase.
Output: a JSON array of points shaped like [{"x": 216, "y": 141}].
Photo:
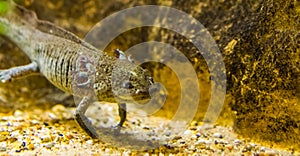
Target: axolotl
[{"x": 72, "y": 65}]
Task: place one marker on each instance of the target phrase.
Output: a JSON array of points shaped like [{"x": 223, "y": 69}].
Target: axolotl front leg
[
  {"x": 82, "y": 120},
  {"x": 18, "y": 72},
  {"x": 86, "y": 124}
]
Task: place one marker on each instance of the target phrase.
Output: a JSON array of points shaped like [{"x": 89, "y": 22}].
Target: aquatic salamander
[{"x": 72, "y": 64}]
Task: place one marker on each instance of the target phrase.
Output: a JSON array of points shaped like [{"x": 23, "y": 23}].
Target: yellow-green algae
[{"x": 5, "y": 7}]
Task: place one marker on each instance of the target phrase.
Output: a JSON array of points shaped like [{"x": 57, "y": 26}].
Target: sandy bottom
[{"x": 54, "y": 132}]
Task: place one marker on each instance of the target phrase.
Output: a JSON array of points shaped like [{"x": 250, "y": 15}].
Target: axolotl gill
[{"x": 72, "y": 64}]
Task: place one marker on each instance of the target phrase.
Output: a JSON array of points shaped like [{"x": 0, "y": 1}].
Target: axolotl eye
[{"x": 127, "y": 85}]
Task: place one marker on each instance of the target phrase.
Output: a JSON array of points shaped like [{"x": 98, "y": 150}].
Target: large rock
[
  {"x": 264, "y": 74},
  {"x": 260, "y": 42}
]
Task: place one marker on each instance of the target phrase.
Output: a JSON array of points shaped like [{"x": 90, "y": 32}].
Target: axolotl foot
[
  {"x": 5, "y": 75},
  {"x": 19, "y": 71}
]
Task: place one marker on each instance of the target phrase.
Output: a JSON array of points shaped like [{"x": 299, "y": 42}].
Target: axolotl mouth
[
  {"x": 140, "y": 96},
  {"x": 156, "y": 95}
]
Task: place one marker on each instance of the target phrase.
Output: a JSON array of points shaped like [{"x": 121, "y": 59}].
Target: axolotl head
[{"x": 130, "y": 82}]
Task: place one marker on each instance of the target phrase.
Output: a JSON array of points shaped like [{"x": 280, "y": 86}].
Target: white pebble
[
  {"x": 107, "y": 150},
  {"x": 89, "y": 142},
  {"x": 34, "y": 122},
  {"x": 3, "y": 146},
  {"x": 218, "y": 135},
  {"x": 271, "y": 152},
  {"x": 36, "y": 145},
  {"x": 57, "y": 146},
  {"x": 52, "y": 116},
  {"x": 49, "y": 145},
  {"x": 128, "y": 153},
  {"x": 237, "y": 142},
  {"x": 252, "y": 144},
  {"x": 14, "y": 134},
  {"x": 194, "y": 137},
  {"x": 201, "y": 142},
  {"x": 18, "y": 113},
  {"x": 187, "y": 132}
]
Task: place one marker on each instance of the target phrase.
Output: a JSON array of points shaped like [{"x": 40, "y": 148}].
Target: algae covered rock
[
  {"x": 260, "y": 42},
  {"x": 264, "y": 75}
]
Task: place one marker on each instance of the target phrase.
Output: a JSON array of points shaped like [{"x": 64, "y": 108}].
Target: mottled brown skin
[{"x": 73, "y": 65}]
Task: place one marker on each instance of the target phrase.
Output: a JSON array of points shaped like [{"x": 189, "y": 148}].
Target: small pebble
[
  {"x": 52, "y": 116},
  {"x": 252, "y": 144},
  {"x": 194, "y": 137},
  {"x": 46, "y": 123},
  {"x": 18, "y": 113},
  {"x": 107, "y": 150},
  {"x": 15, "y": 134},
  {"x": 182, "y": 142},
  {"x": 177, "y": 137},
  {"x": 229, "y": 147},
  {"x": 262, "y": 149},
  {"x": 34, "y": 122},
  {"x": 167, "y": 134},
  {"x": 247, "y": 148},
  {"x": 187, "y": 132},
  {"x": 4, "y": 118},
  {"x": 3, "y": 146},
  {"x": 69, "y": 135},
  {"x": 57, "y": 146},
  {"x": 9, "y": 124},
  {"x": 271, "y": 153},
  {"x": 217, "y": 141},
  {"x": 48, "y": 145},
  {"x": 146, "y": 128},
  {"x": 218, "y": 135},
  {"x": 198, "y": 135},
  {"x": 89, "y": 142},
  {"x": 58, "y": 108},
  {"x": 201, "y": 142},
  {"x": 31, "y": 146},
  {"x": 36, "y": 145},
  {"x": 237, "y": 142},
  {"x": 45, "y": 138}
]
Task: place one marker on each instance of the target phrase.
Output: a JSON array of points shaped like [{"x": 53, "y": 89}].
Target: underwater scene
[{"x": 150, "y": 77}]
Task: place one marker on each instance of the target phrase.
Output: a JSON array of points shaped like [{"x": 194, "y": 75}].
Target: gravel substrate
[{"x": 54, "y": 132}]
